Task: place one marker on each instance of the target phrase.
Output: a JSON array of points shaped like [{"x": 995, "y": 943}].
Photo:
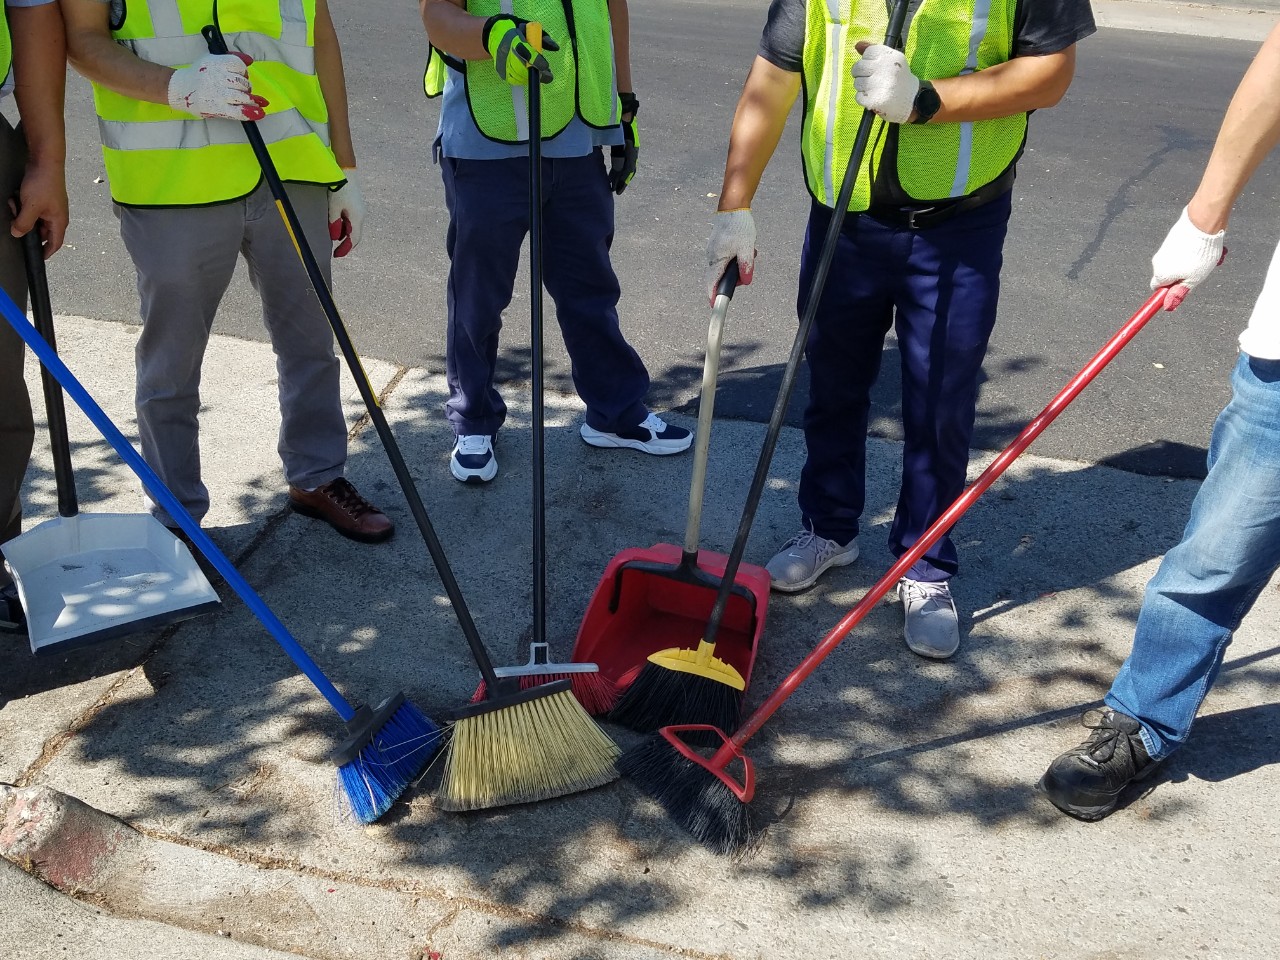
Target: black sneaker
[
  {"x": 654, "y": 436},
  {"x": 1086, "y": 782},
  {"x": 13, "y": 619}
]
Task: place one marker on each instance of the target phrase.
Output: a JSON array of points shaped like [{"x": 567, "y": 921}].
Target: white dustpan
[
  {"x": 91, "y": 577},
  {"x": 85, "y": 578}
]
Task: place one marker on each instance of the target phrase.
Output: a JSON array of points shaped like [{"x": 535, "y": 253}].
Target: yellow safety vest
[
  {"x": 6, "y": 48},
  {"x": 160, "y": 157},
  {"x": 934, "y": 161},
  {"x": 584, "y": 83}
]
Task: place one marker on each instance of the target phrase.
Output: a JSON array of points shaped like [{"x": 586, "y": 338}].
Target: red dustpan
[{"x": 664, "y": 597}]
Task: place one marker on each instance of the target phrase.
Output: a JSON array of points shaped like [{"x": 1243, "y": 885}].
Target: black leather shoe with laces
[{"x": 1086, "y": 782}]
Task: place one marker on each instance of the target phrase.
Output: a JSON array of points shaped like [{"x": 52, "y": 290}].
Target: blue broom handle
[{"x": 155, "y": 486}]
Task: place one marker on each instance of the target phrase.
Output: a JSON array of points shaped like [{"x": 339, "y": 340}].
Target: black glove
[{"x": 624, "y": 156}]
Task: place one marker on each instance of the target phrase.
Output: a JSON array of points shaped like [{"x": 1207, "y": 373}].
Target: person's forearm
[
  {"x": 620, "y": 21},
  {"x": 758, "y": 123},
  {"x": 1005, "y": 89},
  {"x": 40, "y": 79},
  {"x": 333, "y": 87},
  {"x": 97, "y": 57},
  {"x": 1250, "y": 130},
  {"x": 451, "y": 29}
]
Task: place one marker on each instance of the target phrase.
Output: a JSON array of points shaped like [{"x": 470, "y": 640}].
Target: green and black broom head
[
  {"x": 596, "y": 692},
  {"x": 679, "y": 687},
  {"x": 522, "y": 746},
  {"x": 388, "y": 748},
  {"x": 697, "y": 792}
]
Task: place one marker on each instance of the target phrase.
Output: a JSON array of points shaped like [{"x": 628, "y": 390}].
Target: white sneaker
[
  {"x": 654, "y": 436},
  {"x": 931, "y": 627},
  {"x": 806, "y": 557},
  {"x": 472, "y": 460}
]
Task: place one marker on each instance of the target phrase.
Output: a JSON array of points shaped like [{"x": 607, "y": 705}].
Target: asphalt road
[{"x": 1104, "y": 176}]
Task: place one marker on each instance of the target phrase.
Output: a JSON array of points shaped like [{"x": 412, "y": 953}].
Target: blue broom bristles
[{"x": 397, "y": 753}]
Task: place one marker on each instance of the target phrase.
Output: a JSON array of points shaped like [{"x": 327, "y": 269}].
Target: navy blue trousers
[
  {"x": 488, "y": 204},
  {"x": 938, "y": 288}
]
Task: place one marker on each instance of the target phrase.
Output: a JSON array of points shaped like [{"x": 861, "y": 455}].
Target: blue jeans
[
  {"x": 939, "y": 286},
  {"x": 1208, "y": 582}
]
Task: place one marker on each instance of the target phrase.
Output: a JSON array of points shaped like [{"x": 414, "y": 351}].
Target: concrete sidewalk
[{"x": 906, "y": 823}]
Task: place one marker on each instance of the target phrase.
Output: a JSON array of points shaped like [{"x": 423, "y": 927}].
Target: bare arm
[
  {"x": 451, "y": 29},
  {"x": 333, "y": 86},
  {"x": 1250, "y": 130},
  {"x": 40, "y": 76},
  {"x": 620, "y": 22},
  {"x": 1016, "y": 86},
  {"x": 97, "y": 56},
  {"x": 758, "y": 122}
]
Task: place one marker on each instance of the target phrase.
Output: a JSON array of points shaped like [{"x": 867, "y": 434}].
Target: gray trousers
[
  {"x": 185, "y": 258},
  {"x": 16, "y": 428}
]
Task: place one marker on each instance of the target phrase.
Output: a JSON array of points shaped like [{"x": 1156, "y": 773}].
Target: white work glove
[
  {"x": 885, "y": 84},
  {"x": 346, "y": 214},
  {"x": 216, "y": 87},
  {"x": 1185, "y": 258},
  {"x": 733, "y": 236}
]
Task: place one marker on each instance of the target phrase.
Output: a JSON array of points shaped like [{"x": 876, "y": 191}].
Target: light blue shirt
[
  {"x": 460, "y": 138},
  {"x": 7, "y": 87}
]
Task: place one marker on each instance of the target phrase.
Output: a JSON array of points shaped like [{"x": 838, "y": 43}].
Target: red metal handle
[{"x": 940, "y": 526}]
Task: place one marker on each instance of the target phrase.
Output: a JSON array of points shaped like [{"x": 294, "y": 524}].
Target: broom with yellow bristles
[{"x": 518, "y": 746}]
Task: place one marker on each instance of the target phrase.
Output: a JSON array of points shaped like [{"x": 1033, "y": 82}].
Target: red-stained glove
[
  {"x": 216, "y": 87},
  {"x": 346, "y": 214},
  {"x": 1186, "y": 257}
]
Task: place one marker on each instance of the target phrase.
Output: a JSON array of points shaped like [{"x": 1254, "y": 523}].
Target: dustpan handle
[
  {"x": 706, "y": 410},
  {"x": 55, "y": 410}
]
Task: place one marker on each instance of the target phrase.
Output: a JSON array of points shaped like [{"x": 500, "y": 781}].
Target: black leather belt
[{"x": 922, "y": 218}]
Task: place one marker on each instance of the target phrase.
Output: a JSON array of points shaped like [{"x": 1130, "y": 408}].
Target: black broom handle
[
  {"x": 535, "y": 344},
  {"x": 893, "y": 38},
  {"x": 213, "y": 36},
  {"x": 55, "y": 410}
]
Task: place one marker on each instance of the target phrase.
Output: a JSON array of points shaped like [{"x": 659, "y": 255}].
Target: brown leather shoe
[{"x": 340, "y": 505}]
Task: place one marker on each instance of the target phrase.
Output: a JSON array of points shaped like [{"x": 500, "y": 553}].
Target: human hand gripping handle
[
  {"x": 733, "y": 237},
  {"x": 216, "y": 87},
  {"x": 1186, "y": 257},
  {"x": 508, "y": 42},
  {"x": 624, "y": 156},
  {"x": 884, "y": 83},
  {"x": 346, "y": 214}
]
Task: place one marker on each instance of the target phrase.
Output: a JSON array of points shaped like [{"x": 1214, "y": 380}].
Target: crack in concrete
[{"x": 411, "y": 889}]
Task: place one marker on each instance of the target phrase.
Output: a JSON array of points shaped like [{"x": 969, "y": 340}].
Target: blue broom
[{"x": 387, "y": 746}]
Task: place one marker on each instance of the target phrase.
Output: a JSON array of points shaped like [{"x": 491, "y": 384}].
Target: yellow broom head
[
  {"x": 701, "y": 662},
  {"x": 525, "y": 747}
]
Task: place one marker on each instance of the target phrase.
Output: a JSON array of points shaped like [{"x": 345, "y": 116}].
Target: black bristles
[
  {"x": 659, "y": 697},
  {"x": 691, "y": 794}
]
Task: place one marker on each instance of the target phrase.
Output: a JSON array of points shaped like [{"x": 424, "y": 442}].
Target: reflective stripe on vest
[
  {"x": 158, "y": 156},
  {"x": 584, "y": 80},
  {"x": 946, "y": 38}
]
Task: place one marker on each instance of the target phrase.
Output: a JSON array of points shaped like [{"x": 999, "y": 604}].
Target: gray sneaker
[
  {"x": 806, "y": 557},
  {"x": 931, "y": 626}
]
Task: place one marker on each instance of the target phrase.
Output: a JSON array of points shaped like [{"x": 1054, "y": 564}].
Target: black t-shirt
[{"x": 1040, "y": 27}]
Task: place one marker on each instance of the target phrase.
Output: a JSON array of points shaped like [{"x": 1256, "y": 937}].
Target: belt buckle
[{"x": 912, "y": 223}]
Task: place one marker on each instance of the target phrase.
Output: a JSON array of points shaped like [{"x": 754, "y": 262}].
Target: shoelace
[
  {"x": 936, "y": 594},
  {"x": 1102, "y": 742},
  {"x": 654, "y": 424},
  {"x": 472, "y": 445},
  {"x": 341, "y": 492}
]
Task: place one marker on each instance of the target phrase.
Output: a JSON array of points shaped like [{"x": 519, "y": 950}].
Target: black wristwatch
[
  {"x": 630, "y": 104},
  {"x": 927, "y": 102}
]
